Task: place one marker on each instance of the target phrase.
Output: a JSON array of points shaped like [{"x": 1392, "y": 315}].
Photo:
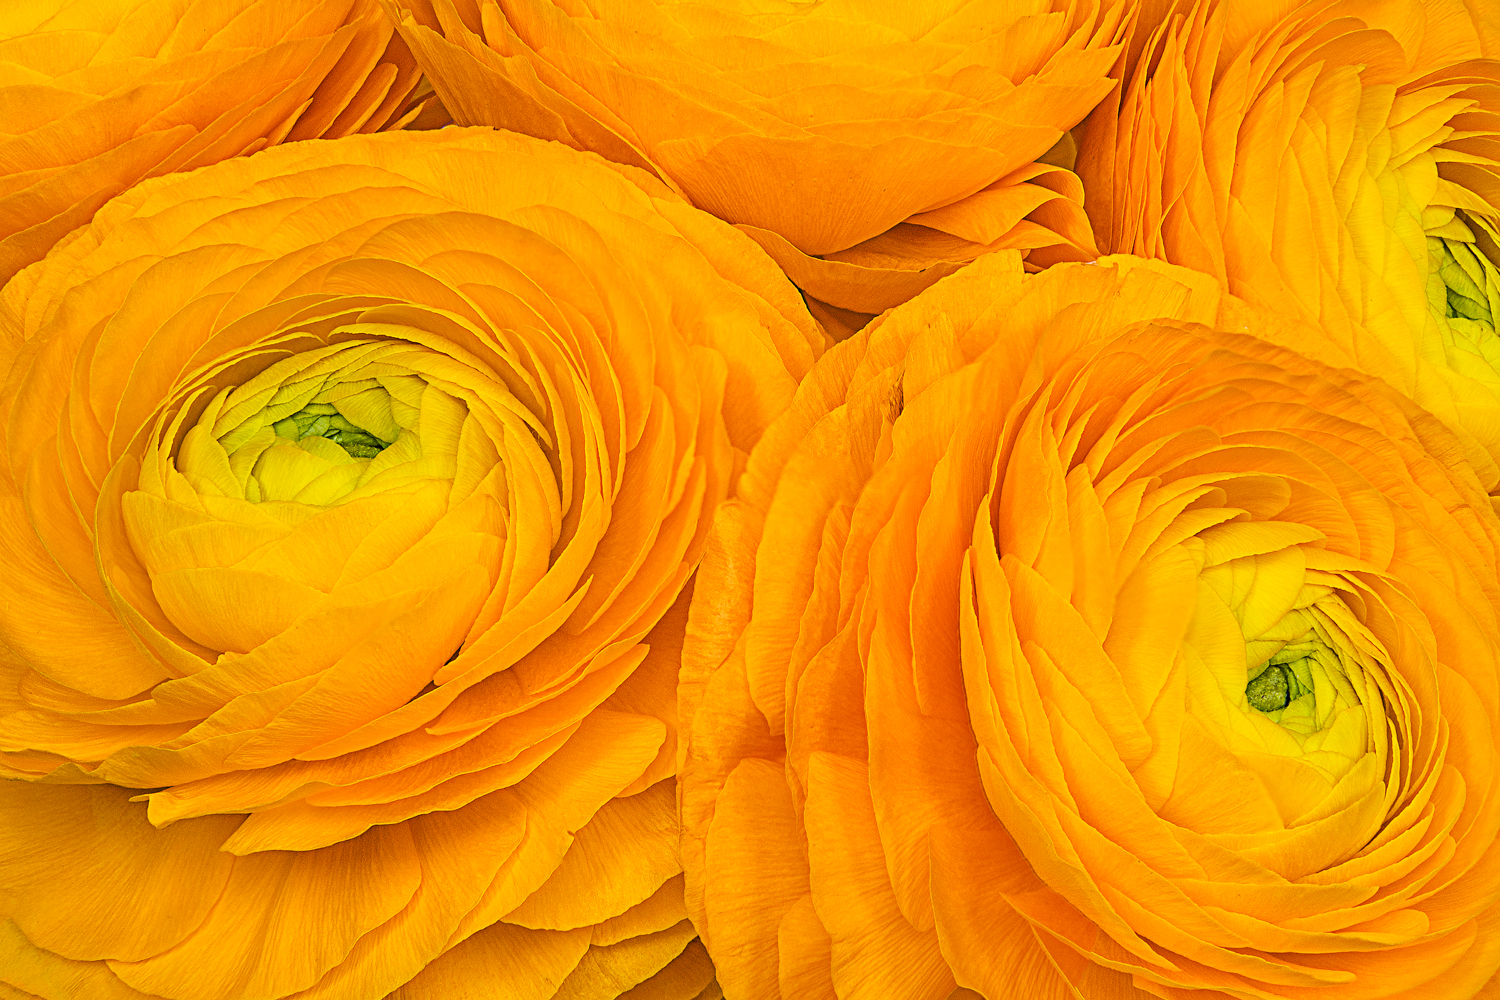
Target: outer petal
[
  {"x": 895, "y": 146},
  {"x": 100, "y": 99}
]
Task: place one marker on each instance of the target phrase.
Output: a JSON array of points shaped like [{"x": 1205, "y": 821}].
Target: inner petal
[
  {"x": 282, "y": 482},
  {"x": 1288, "y": 697},
  {"x": 323, "y": 420}
]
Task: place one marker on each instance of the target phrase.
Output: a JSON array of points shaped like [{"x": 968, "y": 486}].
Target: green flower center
[
  {"x": 1304, "y": 683},
  {"x": 1462, "y": 271},
  {"x": 1463, "y": 279},
  {"x": 1283, "y": 675},
  {"x": 324, "y": 421},
  {"x": 327, "y": 426},
  {"x": 1269, "y": 690},
  {"x": 1289, "y": 676}
]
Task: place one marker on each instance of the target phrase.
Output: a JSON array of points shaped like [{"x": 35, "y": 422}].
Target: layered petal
[
  {"x": 1334, "y": 161},
  {"x": 99, "y": 96},
  {"x": 1069, "y": 638}
]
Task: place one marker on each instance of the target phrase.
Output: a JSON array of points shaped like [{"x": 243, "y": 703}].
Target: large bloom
[
  {"x": 349, "y": 494},
  {"x": 1061, "y": 640},
  {"x": 870, "y": 148},
  {"x": 1339, "y": 161},
  {"x": 99, "y": 95}
]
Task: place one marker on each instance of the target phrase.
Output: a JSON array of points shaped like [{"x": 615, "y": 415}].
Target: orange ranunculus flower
[
  {"x": 1339, "y": 161},
  {"x": 1060, "y": 640},
  {"x": 100, "y": 94},
  {"x": 870, "y": 149},
  {"x": 349, "y": 495}
]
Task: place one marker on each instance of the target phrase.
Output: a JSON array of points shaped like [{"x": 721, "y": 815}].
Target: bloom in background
[
  {"x": 349, "y": 494},
  {"x": 870, "y": 149},
  {"x": 101, "y": 94},
  {"x": 1339, "y": 162},
  {"x": 1059, "y": 640}
]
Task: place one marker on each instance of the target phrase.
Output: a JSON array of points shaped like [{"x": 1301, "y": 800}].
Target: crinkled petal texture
[
  {"x": 350, "y": 492},
  {"x": 1061, "y": 644},
  {"x": 898, "y": 139},
  {"x": 101, "y": 94},
  {"x": 1339, "y": 161}
]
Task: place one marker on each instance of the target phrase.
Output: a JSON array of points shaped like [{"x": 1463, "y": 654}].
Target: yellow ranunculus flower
[
  {"x": 102, "y": 93},
  {"x": 1337, "y": 161},
  {"x": 870, "y": 148},
  {"x": 1062, "y": 643},
  {"x": 348, "y": 494}
]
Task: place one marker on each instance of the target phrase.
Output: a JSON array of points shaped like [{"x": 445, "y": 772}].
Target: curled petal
[{"x": 870, "y": 151}]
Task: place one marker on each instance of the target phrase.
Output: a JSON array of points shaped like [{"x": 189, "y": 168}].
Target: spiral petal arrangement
[
  {"x": 1067, "y": 639},
  {"x": 350, "y": 493}
]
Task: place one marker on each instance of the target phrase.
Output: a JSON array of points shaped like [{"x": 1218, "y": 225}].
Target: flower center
[
  {"x": 1299, "y": 686},
  {"x": 1463, "y": 281},
  {"x": 327, "y": 426},
  {"x": 330, "y": 479},
  {"x": 1289, "y": 677},
  {"x": 325, "y": 421},
  {"x": 1271, "y": 689}
]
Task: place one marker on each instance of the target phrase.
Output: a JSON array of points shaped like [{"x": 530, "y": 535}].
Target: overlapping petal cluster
[
  {"x": 1337, "y": 161},
  {"x": 1061, "y": 639},
  {"x": 348, "y": 495},
  {"x": 870, "y": 148},
  {"x": 100, "y": 95}
]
